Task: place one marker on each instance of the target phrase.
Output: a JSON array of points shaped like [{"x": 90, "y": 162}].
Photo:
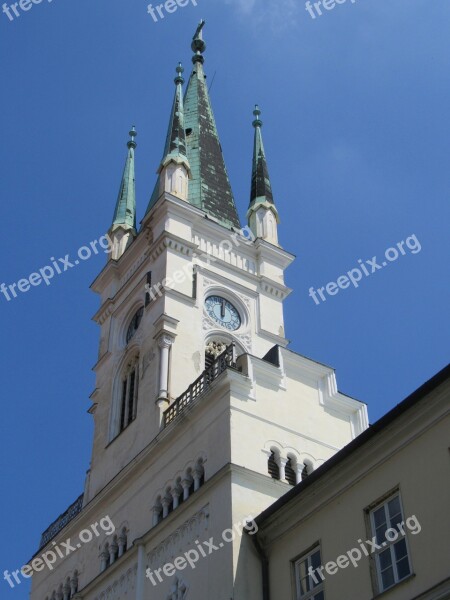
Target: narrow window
[
  {"x": 148, "y": 287},
  {"x": 129, "y": 395},
  {"x": 272, "y": 466},
  {"x": 391, "y": 559},
  {"x": 123, "y": 405},
  {"x": 290, "y": 473},
  {"x": 308, "y": 580},
  {"x": 194, "y": 285},
  {"x": 305, "y": 471}
]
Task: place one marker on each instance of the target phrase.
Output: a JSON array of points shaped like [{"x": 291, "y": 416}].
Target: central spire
[
  {"x": 193, "y": 143},
  {"x": 209, "y": 188}
]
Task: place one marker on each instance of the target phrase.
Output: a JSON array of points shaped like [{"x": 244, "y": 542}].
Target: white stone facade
[{"x": 166, "y": 488}]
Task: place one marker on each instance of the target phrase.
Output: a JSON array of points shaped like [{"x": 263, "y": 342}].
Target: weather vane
[{"x": 199, "y": 28}]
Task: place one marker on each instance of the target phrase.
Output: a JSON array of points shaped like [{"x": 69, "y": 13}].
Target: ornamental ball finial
[
  {"x": 179, "y": 79},
  {"x": 133, "y": 133},
  {"x": 257, "y": 112}
]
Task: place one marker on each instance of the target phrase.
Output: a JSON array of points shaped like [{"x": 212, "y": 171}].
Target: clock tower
[{"x": 203, "y": 416}]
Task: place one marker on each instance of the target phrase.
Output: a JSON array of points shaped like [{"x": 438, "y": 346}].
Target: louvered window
[
  {"x": 290, "y": 473},
  {"x": 273, "y": 468}
]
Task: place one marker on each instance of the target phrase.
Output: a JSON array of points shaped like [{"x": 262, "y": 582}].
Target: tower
[{"x": 203, "y": 416}]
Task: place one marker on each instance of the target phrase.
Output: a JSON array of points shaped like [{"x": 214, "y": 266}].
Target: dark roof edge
[{"x": 359, "y": 441}]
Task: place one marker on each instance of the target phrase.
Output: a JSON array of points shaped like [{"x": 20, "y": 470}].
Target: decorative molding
[
  {"x": 104, "y": 312},
  {"x": 330, "y": 398},
  {"x": 233, "y": 258},
  {"x": 191, "y": 530},
  {"x": 275, "y": 289},
  {"x": 172, "y": 242},
  {"x": 120, "y": 588},
  {"x": 165, "y": 340}
]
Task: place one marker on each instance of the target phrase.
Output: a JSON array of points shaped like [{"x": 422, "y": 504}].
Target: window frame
[
  {"x": 130, "y": 382},
  {"x": 120, "y": 406},
  {"x": 306, "y": 556},
  {"x": 376, "y": 569}
]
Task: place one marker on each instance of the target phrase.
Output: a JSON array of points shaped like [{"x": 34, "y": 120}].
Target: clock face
[
  {"x": 135, "y": 322},
  {"x": 223, "y": 312}
]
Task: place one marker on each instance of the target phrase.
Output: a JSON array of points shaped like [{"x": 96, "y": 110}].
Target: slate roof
[{"x": 209, "y": 185}]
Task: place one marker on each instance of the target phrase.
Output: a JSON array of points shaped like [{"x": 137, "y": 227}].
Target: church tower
[{"x": 203, "y": 416}]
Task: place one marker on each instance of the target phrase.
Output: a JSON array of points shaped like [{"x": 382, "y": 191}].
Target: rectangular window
[
  {"x": 391, "y": 560},
  {"x": 308, "y": 581}
]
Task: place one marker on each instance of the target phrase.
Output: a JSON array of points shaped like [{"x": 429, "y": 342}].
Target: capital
[{"x": 165, "y": 340}]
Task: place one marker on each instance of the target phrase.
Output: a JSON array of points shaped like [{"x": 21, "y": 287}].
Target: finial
[
  {"x": 179, "y": 79},
  {"x": 133, "y": 133},
  {"x": 198, "y": 45},
  {"x": 257, "y": 112}
]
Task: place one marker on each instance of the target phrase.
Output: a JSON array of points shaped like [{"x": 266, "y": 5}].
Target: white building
[
  {"x": 203, "y": 417},
  {"x": 374, "y": 520}
]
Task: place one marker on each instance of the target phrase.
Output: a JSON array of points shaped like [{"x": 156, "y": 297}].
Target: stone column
[
  {"x": 122, "y": 543},
  {"x": 186, "y": 484},
  {"x": 298, "y": 471},
  {"x": 113, "y": 548},
  {"x": 104, "y": 560},
  {"x": 197, "y": 474},
  {"x": 156, "y": 514},
  {"x": 176, "y": 497},
  {"x": 165, "y": 504},
  {"x": 282, "y": 465},
  {"x": 164, "y": 343}
]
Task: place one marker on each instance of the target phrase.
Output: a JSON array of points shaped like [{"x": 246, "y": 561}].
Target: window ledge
[{"x": 394, "y": 587}]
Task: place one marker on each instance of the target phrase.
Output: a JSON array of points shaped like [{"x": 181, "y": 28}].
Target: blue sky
[{"x": 355, "y": 108}]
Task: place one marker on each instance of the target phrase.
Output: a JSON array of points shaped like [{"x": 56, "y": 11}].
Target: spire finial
[
  {"x": 179, "y": 79},
  {"x": 198, "y": 45},
  {"x": 133, "y": 133},
  {"x": 257, "y": 112}
]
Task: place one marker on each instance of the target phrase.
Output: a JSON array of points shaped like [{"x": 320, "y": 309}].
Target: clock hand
[{"x": 222, "y": 310}]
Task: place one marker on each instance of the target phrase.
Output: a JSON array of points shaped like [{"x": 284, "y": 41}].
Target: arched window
[
  {"x": 74, "y": 584},
  {"x": 290, "y": 472},
  {"x": 191, "y": 481},
  {"x": 169, "y": 500},
  {"x": 66, "y": 590},
  {"x": 306, "y": 471},
  {"x": 129, "y": 393},
  {"x": 157, "y": 512},
  {"x": 179, "y": 488},
  {"x": 134, "y": 323},
  {"x": 272, "y": 466}
]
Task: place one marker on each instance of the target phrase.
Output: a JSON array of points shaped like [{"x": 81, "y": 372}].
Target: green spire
[
  {"x": 261, "y": 188},
  {"x": 209, "y": 186},
  {"x": 175, "y": 148},
  {"x": 125, "y": 212}
]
